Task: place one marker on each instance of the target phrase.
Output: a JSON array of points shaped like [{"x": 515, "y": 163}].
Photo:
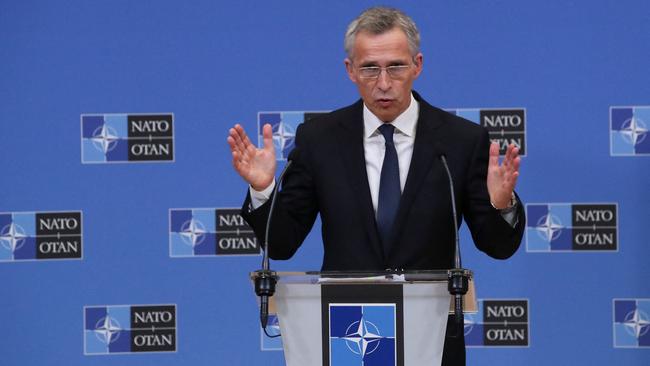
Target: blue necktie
[{"x": 389, "y": 188}]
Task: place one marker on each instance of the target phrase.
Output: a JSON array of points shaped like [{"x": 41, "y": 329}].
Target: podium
[{"x": 344, "y": 318}]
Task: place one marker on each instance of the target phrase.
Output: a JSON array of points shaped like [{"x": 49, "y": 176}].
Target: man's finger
[
  {"x": 244, "y": 137},
  {"x": 511, "y": 163},
  {"x": 267, "y": 133},
  {"x": 494, "y": 154},
  {"x": 241, "y": 136},
  {"x": 236, "y": 134},
  {"x": 234, "y": 142},
  {"x": 231, "y": 143},
  {"x": 507, "y": 158},
  {"x": 513, "y": 180},
  {"x": 514, "y": 167}
]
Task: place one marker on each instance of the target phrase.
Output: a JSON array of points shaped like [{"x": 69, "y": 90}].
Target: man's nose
[{"x": 383, "y": 80}]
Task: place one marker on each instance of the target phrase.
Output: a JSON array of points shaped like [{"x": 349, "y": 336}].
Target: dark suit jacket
[{"x": 328, "y": 177}]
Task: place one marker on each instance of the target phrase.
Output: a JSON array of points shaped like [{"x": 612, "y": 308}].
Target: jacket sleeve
[{"x": 295, "y": 207}]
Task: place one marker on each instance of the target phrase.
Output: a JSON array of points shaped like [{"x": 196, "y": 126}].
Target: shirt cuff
[
  {"x": 511, "y": 216},
  {"x": 258, "y": 198}
]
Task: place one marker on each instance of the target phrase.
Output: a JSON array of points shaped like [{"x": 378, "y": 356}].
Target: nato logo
[
  {"x": 362, "y": 334},
  {"x": 631, "y": 323},
  {"x": 566, "y": 227},
  {"x": 273, "y": 329},
  {"x": 26, "y": 236},
  {"x": 628, "y": 131},
  {"x": 505, "y": 126},
  {"x": 119, "y": 329},
  {"x": 122, "y": 138},
  {"x": 284, "y": 126},
  {"x": 498, "y": 323},
  {"x": 197, "y": 232}
]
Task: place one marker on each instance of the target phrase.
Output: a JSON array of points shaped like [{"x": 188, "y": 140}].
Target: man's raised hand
[
  {"x": 256, "y": 166},
  {"x": 502, "y": 178}
]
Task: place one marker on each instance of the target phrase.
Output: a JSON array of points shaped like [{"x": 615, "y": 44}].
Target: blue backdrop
[{"x": 216, "y": 63}]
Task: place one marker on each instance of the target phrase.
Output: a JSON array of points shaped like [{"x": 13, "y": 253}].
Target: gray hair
[{"x": 379, "y": 20}]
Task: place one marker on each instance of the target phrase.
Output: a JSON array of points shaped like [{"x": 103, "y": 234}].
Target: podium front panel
[{"x": 379, "y": 324}]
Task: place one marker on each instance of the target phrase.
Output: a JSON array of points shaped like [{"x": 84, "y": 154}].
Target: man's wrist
[
  {"x": 511, "y": 204},
  {"x": 262, "y": 189},
  {"x": 258, "y": 198}
]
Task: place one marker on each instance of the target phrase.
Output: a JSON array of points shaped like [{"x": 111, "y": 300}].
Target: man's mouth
[{"x": 384, "y": 102}]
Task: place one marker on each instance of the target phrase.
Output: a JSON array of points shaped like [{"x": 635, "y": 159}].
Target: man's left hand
[{"x": 502, "y": 178}]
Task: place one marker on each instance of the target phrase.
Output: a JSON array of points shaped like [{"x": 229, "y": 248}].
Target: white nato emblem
[
  {"x": 283, "y": 136},
  {"x": 193, "y": 232},
  {"x": 12, "y": 237},
  {"x": 637, "y": 323},
  {"x": 107, "y": 330},
  {"x": 549, "y": 227},
  {"x": 362, "y": 337},
  {"x": 634, "y": 131},
  {"x": 104, "y": 139}
]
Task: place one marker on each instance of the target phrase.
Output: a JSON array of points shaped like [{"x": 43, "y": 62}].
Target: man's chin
[{"x": 386, "y": 114}]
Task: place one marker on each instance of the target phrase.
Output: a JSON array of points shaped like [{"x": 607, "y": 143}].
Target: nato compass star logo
[
  {"x": 107, "y": 330},
  {"x": 283, "y": 136},
  {"x": 104, "y": 330},
  {"x": 104, "y": 138},
  {"x": 193, "y": 232},
  {"x": 362, "y": 337},
  {"x": 549, "y": 227},
  {"x": 637, "y": 323},
  {"x": 629, "y": 131},
  {"x": 362, "y": 334},
  {"x": 12, "y": 237},
  {"x": 634, "y": 131},
  {"x": 631, "y": 323}
]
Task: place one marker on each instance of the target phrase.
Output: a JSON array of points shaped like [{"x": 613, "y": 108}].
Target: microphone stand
[
  {"x": 458, "y": 281},
  {"x": 265, "y": 279}
]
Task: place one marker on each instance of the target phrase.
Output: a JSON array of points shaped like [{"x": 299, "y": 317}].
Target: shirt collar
[{"x": 404, "y": 123}]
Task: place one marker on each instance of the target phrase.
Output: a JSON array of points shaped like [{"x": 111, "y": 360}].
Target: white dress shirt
[{"x": 374, "y": 145}]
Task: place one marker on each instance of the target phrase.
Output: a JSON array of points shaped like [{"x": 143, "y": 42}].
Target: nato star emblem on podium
[{"x": 362, "y": 334}]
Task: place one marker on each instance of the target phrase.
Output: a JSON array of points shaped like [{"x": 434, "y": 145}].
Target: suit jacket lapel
[
  {"x": 422, "y": 160},
  {"x": 352, "y": 154}
]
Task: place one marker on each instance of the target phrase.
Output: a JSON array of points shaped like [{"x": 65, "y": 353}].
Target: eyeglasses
[{"x": 394, "y": 71}]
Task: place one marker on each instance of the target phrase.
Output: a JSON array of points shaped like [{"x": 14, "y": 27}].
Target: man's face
[{"x": 386, "y": 97}]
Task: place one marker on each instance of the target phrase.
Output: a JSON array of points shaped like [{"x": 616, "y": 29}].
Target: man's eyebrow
[
  {"x": 390, "y": 63},
  {"x": 369, "y": 64}
]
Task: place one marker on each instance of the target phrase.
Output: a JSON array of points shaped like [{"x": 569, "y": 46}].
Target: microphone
[
  {"x": 265, "y": 279},
  {"x": 458, "y": 281}
]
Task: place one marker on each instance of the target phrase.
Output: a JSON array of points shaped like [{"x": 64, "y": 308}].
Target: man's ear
[
  {"x": 417, "y": 60},
  {"x": 350, "y": 70}
]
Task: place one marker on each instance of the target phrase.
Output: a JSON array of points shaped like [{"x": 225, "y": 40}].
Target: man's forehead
[{"x": 387, "y": 47}]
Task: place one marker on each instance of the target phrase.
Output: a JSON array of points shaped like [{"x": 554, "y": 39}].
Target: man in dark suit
[{"x": 373, "y": 172}]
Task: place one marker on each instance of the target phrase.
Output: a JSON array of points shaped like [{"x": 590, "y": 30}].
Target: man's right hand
[{"x": 256, "y": 166}]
